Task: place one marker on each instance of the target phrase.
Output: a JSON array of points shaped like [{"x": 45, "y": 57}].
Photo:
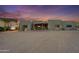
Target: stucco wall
[
  {"x": 2, "y": 23},
  {"x": 52, "y": 23}
]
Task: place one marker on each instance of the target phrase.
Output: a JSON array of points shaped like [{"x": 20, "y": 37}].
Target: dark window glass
[{"x": 69, "y": 26}]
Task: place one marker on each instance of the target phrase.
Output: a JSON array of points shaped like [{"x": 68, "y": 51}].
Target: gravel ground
[{"x": 39, "y": 42}]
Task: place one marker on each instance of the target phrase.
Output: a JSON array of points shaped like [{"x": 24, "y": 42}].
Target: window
[{"x": 69, "y": 26}]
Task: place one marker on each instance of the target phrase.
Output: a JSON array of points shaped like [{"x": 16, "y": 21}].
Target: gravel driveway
[{"x": 39, "y": 41}]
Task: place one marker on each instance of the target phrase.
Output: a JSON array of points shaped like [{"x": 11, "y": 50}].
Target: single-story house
[
  {"x": 23, "y": 25},
  {"x": 48, "y": 25}
]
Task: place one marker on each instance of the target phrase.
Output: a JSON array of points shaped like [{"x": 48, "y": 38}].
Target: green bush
[
  {"x": 6, "y": 28},
  {"x": 1, "y": 28}
]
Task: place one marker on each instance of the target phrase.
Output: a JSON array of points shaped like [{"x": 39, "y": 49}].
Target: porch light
[{"x": 39, "y": 26}]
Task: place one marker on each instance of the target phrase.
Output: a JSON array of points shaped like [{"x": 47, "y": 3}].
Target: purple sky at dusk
[{"x": 41, "y": 12}]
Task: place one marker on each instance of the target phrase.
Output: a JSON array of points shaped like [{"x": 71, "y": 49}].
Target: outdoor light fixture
[{"x": 39, "y": 26}]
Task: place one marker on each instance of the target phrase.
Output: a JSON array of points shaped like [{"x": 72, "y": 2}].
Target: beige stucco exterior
[{"x": 2, "y": 23}]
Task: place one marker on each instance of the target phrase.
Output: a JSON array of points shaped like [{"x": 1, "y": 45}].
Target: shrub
[{"x": 1, "y": 28}]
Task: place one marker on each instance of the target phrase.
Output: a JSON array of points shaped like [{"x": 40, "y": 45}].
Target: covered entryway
[{"x": 40, "y": 26}]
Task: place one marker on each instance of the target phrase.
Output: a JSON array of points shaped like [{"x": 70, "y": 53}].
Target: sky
[{"x": 41, "y": 12}]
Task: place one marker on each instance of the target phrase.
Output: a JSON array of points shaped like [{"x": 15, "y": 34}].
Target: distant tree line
[{"x": 8, "y": 19}]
